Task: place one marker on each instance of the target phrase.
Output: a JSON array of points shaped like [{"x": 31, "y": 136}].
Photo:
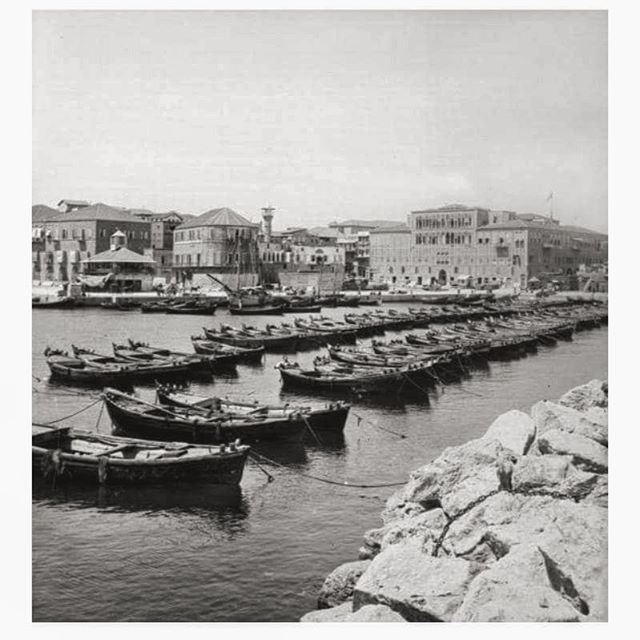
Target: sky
[{"x": 324, "y": 115}]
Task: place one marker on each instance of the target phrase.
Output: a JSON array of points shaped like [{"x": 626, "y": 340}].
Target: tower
[
  {"x": 267, "y": 218},
  {"x": 118, "y": 239}
]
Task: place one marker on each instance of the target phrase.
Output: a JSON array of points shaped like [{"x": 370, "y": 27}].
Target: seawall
[{"x": 509, "y": 527}]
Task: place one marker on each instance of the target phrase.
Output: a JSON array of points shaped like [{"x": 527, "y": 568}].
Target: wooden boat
[
  {"x": 265, "y": 310},
  {"x": 370, "y": 301},
  {"x": 76, "y": 455},
  {"x": 251, "y": 339},
  {"x": 52, "y": 303},
  {"x": 331, "y": 417},
  {"x": 120, "y": 305},
  {"x": 192, "y": 307},
  {"x": 84, "y": 370},
  {"x": 223, "y": 353},
  {"x": 343, "y": 378},
  {"x": 142, "y": 352},
  {"x": 311, "y": 308},
  {"x": 135, "y": 417},
  {"x": 156, "y": 307}
]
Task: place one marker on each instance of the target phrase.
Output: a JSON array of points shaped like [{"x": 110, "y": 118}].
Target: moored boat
[
  {"x": 331, "y": 417},
  {"x": 76, "y": 455},
  {"x": 135, "y": 417}
]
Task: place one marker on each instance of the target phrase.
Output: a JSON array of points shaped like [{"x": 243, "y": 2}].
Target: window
[{"x": 64, "y": 234}]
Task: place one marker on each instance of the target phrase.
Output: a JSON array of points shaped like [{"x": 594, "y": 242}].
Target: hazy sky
[{"x": 325, "y": 115}]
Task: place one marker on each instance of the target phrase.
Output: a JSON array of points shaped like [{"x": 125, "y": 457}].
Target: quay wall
[{"x": 510, "y": 527}]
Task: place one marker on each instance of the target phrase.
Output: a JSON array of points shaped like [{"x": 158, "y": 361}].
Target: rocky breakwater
[{"x": 509, "y": 527}]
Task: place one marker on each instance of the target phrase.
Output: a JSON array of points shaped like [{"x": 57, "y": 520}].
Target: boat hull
[{"x": 171, "y": 428}]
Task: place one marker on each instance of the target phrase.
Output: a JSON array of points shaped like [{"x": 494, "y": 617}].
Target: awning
[{"x": 95, "y": 282}]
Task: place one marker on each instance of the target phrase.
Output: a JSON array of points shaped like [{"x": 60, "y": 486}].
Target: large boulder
[
  {"x": 418, "y": 586},
  {"x": 340, "y": 613},
  {"x": 375, "y": 613},
  {"x": 459, "y": 477},
  {"x": 552, "y": 475},
  {"x": 424, "y": 528},
  {"x": 585, "y": 453},
  {"x": 523, "y": 586},
  {"x": 591, "y": 424},
  {"x": 586, "y": 396},
  {"x": 514, "y": 430},
  {"x": 572, "y": 534},
  {"x": 338, "y": 585},
  {"x": 345, "y": 613}
]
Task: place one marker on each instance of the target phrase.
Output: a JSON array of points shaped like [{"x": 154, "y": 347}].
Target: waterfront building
[
  {"x": 119, "y": 269},
  {"x": 78, "y": 233},
  {"x": 220, "y": 242},
  {"x": 456, "y": 244},
  {"x": 390, "y": 255},
  {"x": 162, "y": 227}
]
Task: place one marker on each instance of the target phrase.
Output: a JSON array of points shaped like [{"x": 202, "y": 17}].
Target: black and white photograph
[{"x": 319, "y": 316}]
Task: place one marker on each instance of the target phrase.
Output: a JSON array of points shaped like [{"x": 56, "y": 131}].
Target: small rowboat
[
  {"x": 266, "y": 310},
  {"x": 76, "y": 455},
  {"x": 330, "y": 417},
  {"x": 343, "y": 378},
  {"x": 223, "y": 353},
  {"x": 101, "y": 370},
  {"x": 52, "y": 303},
  {"x": 135, "y": 417}
]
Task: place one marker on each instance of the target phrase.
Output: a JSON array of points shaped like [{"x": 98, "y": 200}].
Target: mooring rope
[
  {"x": 326, "y": 480},
  {"x": 71, "y": 415},
  {"x": 377, "y": 426}
]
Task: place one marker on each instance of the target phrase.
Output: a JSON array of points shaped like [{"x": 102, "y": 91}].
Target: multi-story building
[
  {"x": 162, "y": 227},
  {"x": 300, "y": 258},
  {"x": 460, "y": 244},
  {"x": 219, "y": 242},
  {"x": 390, "y": 255},
  {"x": 78, "y": 233}
]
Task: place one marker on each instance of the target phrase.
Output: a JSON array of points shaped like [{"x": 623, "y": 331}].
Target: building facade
[
  {"x": 219, "y": 242},
  {"x": 64, "y": 241},
  {"x": 390, "y": 255},
  {"x": 457, "y": 244}
]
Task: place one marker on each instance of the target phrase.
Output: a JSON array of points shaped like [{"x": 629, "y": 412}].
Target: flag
[{"x": 550, "y": 196}]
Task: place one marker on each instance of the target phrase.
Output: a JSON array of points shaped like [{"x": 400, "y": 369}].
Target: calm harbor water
[{"x": 259, "y": 552}]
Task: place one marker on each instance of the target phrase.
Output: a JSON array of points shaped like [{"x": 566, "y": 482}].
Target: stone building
[
  {"x": 456, "y": 244},
  {"x": 118, "y": 269},
  {"x": 77, "y": 234},
  {"x": 162, "y": 227},
  {"x": 390, "y": 255},
  {"x": 219, "y": 242}
]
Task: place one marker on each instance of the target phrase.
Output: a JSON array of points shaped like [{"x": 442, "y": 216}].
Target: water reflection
[{"x": 217, "y": 502}]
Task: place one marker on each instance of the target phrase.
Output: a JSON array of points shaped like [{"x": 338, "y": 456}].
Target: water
[{"x": 259, "y": 552}]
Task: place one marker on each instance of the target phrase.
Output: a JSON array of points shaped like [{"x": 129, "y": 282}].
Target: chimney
[
  {"x": 267, "y": 218},
  {"x": 118, "y": 239}
]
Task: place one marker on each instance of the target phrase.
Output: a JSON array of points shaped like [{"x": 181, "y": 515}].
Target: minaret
[{"x": 267, "y": 218}]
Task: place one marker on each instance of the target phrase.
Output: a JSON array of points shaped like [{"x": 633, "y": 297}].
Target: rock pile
[{"x": 509, "y": 527}]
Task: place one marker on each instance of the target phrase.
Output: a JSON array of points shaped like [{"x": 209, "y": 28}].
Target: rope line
[
  {"x": 75, "y": 413},
  {"x": 326, "y": 480},
  {"x": 377, "y": 426}
]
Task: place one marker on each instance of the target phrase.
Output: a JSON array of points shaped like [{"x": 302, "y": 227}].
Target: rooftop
[
  {"x": 398, "y": 228},
  {"x": 450, "y": 207},
  {"x": 368, "y": 224},
  {"x": 119, "y": 255},
  {"x": 323, "y": 232},
  {"x": 98, "y": 211},
  {"x": 538, "y": 224},
  {"x": 223, "y": 217},
  {"x": 42, "y": 213},
  {"x": 74, "y": 203}
]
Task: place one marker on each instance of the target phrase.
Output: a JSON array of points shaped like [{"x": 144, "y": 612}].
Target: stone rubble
[{"x": 509, "y": 527}]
